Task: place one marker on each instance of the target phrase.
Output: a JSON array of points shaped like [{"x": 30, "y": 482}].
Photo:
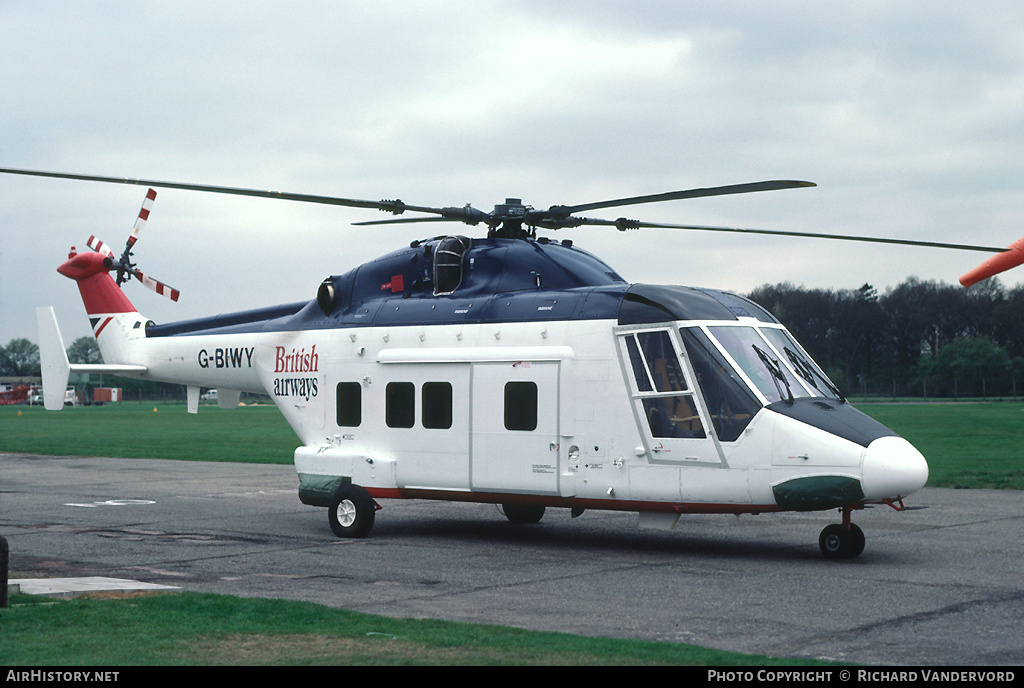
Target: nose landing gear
[{"x": 842, "y": 540}]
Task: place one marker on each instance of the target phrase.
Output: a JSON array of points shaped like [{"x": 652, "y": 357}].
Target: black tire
[
  {"x": 523, "y": 513},
  {"x": 351, "y": 512},
  {"x": 856, "y": 541},
  {"x": 841, "y": 542}
]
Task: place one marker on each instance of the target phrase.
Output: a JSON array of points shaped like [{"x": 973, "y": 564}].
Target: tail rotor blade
[
  {"x": 140, "y": 222},
  {"x": 98, "y": 246},
  {"x": 157, "y": 286},
  {"x": 124, "y": 265}
]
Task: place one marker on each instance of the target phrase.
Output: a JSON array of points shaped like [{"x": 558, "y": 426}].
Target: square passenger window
[{"x": 521, "y": 406}]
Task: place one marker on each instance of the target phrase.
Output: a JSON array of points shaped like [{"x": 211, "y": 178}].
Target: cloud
[{"x": 908, "y": 116}]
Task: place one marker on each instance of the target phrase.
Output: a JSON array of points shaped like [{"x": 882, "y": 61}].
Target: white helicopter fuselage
[
  {"x": 651, "y": 411},
  {"x": 576, "y": 432}
]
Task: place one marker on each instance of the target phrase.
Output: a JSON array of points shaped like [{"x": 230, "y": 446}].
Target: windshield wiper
[
  {"x": 776, "y": 370},
  {"x": 807, "y": 371}
]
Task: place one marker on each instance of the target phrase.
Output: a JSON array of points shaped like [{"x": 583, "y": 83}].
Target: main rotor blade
[
  {"x": 752, "y": 187},
  {"x": 624, "y": 224},
  {"x": 466, "y": 214},
  {"x": 1010, "y": 258},
  {"x": 406, "y": 221},
  {"x": 396, "y": 207}
]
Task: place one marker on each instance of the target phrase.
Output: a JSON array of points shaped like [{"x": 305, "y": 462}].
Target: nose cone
[{"x": 893, "y": 468}]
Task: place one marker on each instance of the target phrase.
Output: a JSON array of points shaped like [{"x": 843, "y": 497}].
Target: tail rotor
[{"x": 125, "y": 267}]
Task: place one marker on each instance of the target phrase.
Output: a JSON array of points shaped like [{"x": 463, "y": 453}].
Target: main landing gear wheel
[
  {"x": 351, "y": 512},
  {"x": 523, "y": 513},
  {"x": 841, "y": 541}
]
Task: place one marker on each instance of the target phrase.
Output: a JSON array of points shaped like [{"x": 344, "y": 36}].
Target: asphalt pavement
[{"x": 942, "y": 585}]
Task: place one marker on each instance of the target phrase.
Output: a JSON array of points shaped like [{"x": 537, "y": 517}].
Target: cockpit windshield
[
  {"x": 774, "y": 363},
  {"x": 802, "y": 364}
]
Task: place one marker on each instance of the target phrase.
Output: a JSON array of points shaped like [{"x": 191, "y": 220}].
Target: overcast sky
[{"x": 909, "y": 116}]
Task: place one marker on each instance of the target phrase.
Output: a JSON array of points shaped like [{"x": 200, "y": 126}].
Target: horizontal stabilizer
[
  {"x": 1010, "y": 258},
  {"x": 112, "y": 368}
]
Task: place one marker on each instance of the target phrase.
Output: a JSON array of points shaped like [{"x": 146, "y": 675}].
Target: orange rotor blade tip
[{"x": 1010, "y": 258}]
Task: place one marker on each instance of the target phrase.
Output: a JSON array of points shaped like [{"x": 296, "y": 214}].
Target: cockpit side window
[
  {"x": 729, "y": 401},
  {"x": 667, "y": 400},
  {"x": 640, "y": 374},
  {"x": 662, "y": 363}
]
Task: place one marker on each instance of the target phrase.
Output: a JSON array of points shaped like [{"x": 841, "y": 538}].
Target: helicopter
[{"x": 514, "y": 369}]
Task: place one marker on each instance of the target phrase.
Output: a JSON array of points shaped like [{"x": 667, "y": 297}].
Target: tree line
[
  {"x": 919, "y": 338},
  {"x": 20, "y": 359}
]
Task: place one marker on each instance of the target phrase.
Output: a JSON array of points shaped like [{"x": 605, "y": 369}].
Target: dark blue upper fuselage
[{"x": 494, "y": 280}]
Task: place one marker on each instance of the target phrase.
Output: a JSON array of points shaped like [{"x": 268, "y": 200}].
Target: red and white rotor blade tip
[
  {"x": 140, "y": 222},
  {"x": 157, "y": 286},
  {"x": 97, "y": 245},
  {"x": 1010, "y": 258}
]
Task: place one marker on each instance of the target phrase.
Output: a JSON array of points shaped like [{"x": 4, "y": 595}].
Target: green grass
[
  {"x": 976, "y": 445},
  {"x": 979, "y": 445},
  {"x": 251, "y": 434},
  {"x": 202, "y": 629}
]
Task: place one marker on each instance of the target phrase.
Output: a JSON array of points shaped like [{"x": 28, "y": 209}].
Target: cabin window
[
  {"x": 436, "y": 405},
  {"x": 350, "y": 404},
  {"x": 668, "y": 403},
  {"x": 400, "y": 404},
  {"x": 521, "y": 406},
  {"x": 730, "y": 402}
]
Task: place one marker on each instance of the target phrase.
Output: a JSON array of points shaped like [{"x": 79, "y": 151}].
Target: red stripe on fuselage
[
  {"x": 570, "y": 502},
  {"x": 100, "y": 328}
]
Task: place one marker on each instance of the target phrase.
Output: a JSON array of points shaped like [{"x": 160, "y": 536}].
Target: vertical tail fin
[{"x": 54, "y": 359}]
